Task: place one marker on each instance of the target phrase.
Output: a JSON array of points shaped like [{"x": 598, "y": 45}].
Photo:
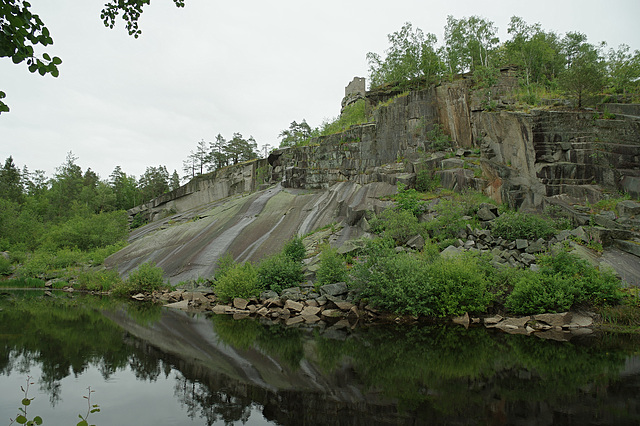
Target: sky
[{"x": 212, "y": 67}]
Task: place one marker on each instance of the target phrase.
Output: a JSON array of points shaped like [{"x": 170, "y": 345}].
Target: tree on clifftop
[
  {"x": 21, "y": 31},
  {"x": 412, "y": 55},
  {"x": 585, "y": 71}
]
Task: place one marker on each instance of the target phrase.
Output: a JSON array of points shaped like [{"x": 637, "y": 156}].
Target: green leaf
[
  {"x": 56, "y": 60},
  {"x": 33, "y": 67},
  {"x": 46, "y": 56},
  {"x": 82, "y": 423},
  {"x": 21, "y": 419},
  {"x": 37, "y": 420},
  {"x": 26, "y": 401}
]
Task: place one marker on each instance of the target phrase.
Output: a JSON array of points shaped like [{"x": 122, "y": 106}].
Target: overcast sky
[{"x": 222, "y": 67}]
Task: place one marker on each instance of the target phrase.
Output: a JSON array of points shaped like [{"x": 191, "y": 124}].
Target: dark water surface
[{"x": 154, "y": 366}]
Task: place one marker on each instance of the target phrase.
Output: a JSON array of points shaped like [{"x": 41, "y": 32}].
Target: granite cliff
[{"x": 528, "y": 159}]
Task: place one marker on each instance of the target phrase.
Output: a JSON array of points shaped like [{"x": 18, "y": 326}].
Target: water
[{"x": 148, "y": 365}]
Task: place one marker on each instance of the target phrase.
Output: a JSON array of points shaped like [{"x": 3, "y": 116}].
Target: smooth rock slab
[
  {"x": 554, "y": 320},
  {"x": 293, "y": 306},
  {"x": 183, "y": 304},
  {"x": 240, "y": 303},
  {"x": 334, "y": 289}
]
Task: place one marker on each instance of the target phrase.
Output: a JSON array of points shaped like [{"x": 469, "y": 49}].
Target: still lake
[{"x": 148, "y": 365}]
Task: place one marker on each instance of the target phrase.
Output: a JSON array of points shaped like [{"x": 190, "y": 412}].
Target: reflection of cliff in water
[{"x": 391, "y": 376}]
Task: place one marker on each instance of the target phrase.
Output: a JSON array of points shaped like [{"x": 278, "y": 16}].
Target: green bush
[
  {"x": 146, "y": 279},
  {"x": 5, "y": 266},
  {"x": 89, "y": 232},
  {"x": 103, "y": 280},
  {"x": 450, "y": 219},
  {"x": 332, "y": 268},
  {"x": 352, "y": 114},
  {"x": 564, "y": 280},
  {"x": 279, "y": 272},
  {"x": 427, "y": 180},
  {"x": 294, "y": 249},
  {"x": 515, "y": 225},
  {"x": 409, "y": 199},
  {"x": 400, "y": 225},
  {"x": 239, "y": 281},
  {"x": 409, "y": 284},
  {"x": 223, "y": 265}
]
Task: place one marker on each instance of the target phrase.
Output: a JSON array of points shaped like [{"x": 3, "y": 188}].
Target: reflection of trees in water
[
  {"x": 213, "y": 405},
  {"x": 68, "y": 336}
]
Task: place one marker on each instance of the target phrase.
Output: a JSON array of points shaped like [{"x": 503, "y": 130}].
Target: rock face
[{"x": 529, "y": 160}]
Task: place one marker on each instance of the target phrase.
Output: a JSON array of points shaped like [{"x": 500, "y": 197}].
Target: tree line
[
  {"x": 546, "y": 60},
  {"x": 219, "y": 153}
]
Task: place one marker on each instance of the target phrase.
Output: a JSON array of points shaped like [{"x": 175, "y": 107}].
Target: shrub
[
  {"x": 563, "y": 281},
  {"x": 239, "y": 281},
  {"x": 515, "y": 225},
  {"x": 5, "y": 266},
  {"x": 294, "y": 249},
  {"x": 103, "y": 280},
  {"x": 87, "y": 233},
  {"x": 223, "y": 265},
  {"x": 427, "y": 180},
  {"x": 332, "y": 268},
  {"x": 409, "y": 200},
  {"x": 400, "y": 225},
  {"x": 449, "y": 220},
  {"x": 409, "y": 284},
  {"x": 146, "y": 279},
  {"x": 279, "y": 272}
]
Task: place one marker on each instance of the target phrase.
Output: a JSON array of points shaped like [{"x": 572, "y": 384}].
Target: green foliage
[
  {"x": 224, "y": 265},
  {"x": 297, "y": 134},
  {"x": 399, "y": 225},
  {"x": 145, "y": 279},
  {"x": 563, "y": 281},
  {"x": 408, "y": 199},
  {"x": 427, "y": 180},
  {"x": 99, "y": 280},
  {"x": 279, "y": 272},
  {"x": 353, "y": 114},
  {"x": 332, "y": 267},
  {"x": 90, "y": 232},
  {"x": 438, "y": 139},
  {"x": 515, "y": 225},
  {"x": 294, "y": 249},
  {"x": 239, "y": 281},
  {"x": 23, "y": 283},
  {"x": 412, "y": 56},
  {"x": 410, "y": 284},
  {"x": 5, "y": 265}
]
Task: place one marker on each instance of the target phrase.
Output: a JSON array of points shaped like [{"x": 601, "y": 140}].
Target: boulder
[
  {"x": 554, "y": 320},
  {"x": 294, "y": 320},
  {"x": 240, "y": 303},
  {"x": 450, "y": 252},
  {"x": 293, "y": 306},
  {"x": 628, "y": 208},
  {"x": 336, "y": 289},
  {"x": 293, "y": 293},
  {"x": 310, "y": 310},
  {"x": 416, "y": 243},
  {"x": 485, "y": 214}
]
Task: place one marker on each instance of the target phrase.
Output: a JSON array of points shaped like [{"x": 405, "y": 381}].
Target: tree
[
  {"x": 11, "y": 187},
  {"x": 175, "y": 181},
  {"x": 239, "y": 149},
  {"x": 535, "y": 51},
  {"x": 154, "y": 182},
  {"x": 125, "y": 189},
  {"x": 296, "y": 134},
  {"x": 21, "y": 31},
  {"x": 469, "y": 43},
  {"x": 585, "y": 72},
  {"x": 411, "y": 56},
  {"x": 623, "y": 68},
  {"x": 217, "y": 156}
]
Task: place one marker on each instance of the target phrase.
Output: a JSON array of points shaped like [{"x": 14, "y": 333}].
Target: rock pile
[
  {"x": 561, "y": 326},
  {"x": 295, "y": 305}
]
